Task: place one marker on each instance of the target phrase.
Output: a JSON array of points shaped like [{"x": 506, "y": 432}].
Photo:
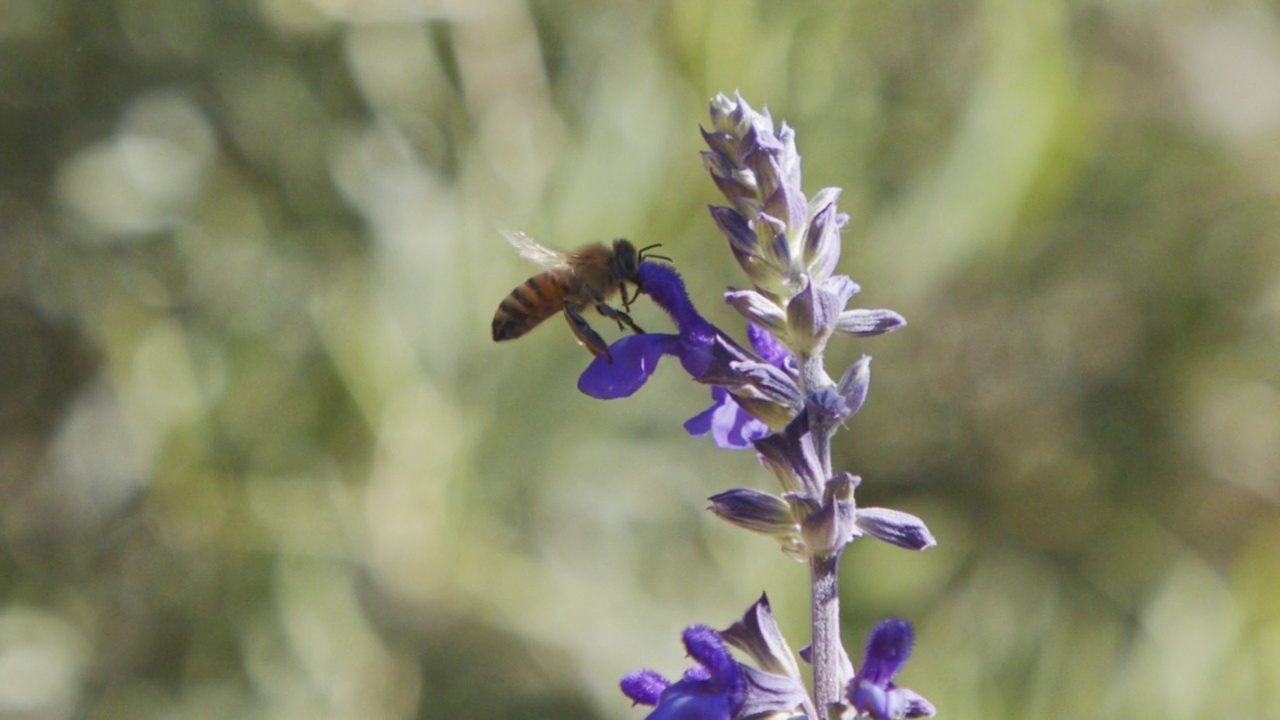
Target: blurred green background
[{"x": 260, "y": 459}]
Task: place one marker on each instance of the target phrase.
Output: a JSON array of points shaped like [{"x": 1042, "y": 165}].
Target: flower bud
[
  {"x": 864, "y": 323},
  {"x": 896, "y": 528},
  {"x": 756, "y": 511}
]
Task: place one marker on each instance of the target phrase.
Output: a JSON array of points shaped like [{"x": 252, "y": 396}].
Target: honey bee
[{"x": 570, "y": 283}]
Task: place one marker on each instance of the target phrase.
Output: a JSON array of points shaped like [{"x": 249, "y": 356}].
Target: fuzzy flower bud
[
  {"x": 758, "y": 171},
  {"x": 758, "y": 512}
]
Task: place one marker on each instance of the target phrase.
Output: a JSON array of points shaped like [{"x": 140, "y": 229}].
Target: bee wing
[{"x": 536, "y": 252}]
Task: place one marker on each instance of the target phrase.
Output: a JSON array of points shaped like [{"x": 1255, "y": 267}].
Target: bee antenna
[{"x": 643, "y": 250}]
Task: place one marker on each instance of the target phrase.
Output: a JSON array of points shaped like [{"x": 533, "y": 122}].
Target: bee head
[{"x": 626, "y": 260}]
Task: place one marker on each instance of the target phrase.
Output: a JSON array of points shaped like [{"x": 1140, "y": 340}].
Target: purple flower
[
  {"x": 719, "y": 687},
  {"x": 730, "y": 426},
  {"x": 635, "y": 357},
  {"x": 871, "y": 691},
  {"x": 706, "y": 353},
  {"x": 714, "y": 689}
]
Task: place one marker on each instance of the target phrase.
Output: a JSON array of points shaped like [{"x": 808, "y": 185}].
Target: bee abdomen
[{"x": 537, "y": 299}]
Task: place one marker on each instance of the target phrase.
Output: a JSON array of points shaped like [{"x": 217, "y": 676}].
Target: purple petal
[
  {"x": 644, "y": 687},
  {"x": 635, "y": 357},
  {"x": 714, "y": 689},
  {"x": 662, "y": 283},
  {"x": 730, "y": 426},
  {"x": 875, "y": 701},
  {"x": 700, "y": 424},
  {"x": 707, "y": 648},
  {"x": 693, "y": 701},
  {"x": 888, "y": 648},
  {"x": 768, "y": 346}
]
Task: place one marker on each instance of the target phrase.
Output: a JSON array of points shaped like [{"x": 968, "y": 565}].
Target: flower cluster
[
  {"x": 776, "y": 398},
  {"x": 720, "y": 688}
]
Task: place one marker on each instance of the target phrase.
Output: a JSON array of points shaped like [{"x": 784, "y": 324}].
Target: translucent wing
[{"x": 535, "y": 252}]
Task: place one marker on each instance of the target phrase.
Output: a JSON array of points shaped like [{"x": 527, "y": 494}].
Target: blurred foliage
[{"x": 259, "y": 457}]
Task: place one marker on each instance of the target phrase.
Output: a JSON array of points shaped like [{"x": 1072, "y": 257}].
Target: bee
[{"x": 570, "y": 283}]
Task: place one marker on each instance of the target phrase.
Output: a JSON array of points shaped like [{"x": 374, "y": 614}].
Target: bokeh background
[{"x": 260, "y": 459}]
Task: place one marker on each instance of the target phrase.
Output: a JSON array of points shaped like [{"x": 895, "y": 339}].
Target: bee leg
[
  {"x": 589, "y": 338},
  {"x": 626, "y": 301},
  {"x": 624, "y": 320}
]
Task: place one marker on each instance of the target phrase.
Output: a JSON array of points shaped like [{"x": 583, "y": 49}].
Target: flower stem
[
  {"x": 813, "y": 377},
  {"x": 825, "y": 650}
]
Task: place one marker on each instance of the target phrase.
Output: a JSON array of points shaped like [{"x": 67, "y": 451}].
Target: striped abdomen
[{"x": 537, "y": 299}]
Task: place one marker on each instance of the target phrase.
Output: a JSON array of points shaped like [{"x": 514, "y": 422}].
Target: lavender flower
[{"x": 871, "y": 691}]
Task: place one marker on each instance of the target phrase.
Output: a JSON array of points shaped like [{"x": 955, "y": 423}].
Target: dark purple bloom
[
  {"x": 719, "y": 687},
  {"x": 714, "y": 689},
  {"x": 706, "y": 353},
  {"x": 635, "y": 357},
  {"x": 871, "y": 691}
]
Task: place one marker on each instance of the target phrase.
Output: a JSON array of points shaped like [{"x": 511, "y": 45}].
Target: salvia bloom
[
  {"x": 719, "y": 687},
  {"x": 708, "y": 354},
  {"x": 777, "y": 399},
  {"x": 714, "y": 689}
]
